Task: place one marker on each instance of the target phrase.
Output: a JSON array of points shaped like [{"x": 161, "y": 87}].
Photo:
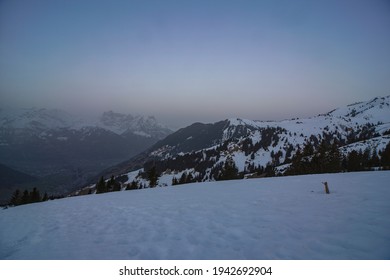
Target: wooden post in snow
[{"x": 326, "y": 187}]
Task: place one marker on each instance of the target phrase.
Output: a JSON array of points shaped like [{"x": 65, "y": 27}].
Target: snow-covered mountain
[
  {"x": 269, "y": 218},
  {"x": 37, "y": 121},
  {"x": 202, "y": 150},
  {"x": 66, "y": 149},
  {"x": 139, "y": 125}
]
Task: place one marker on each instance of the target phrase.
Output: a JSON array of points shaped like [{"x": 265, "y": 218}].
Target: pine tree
[
  {"x": 333, "y": 162},
  {"x": 15, "y": 199},
  {"x": 153, "y": 177},
  {"x": 323, "y": 160},
  {"x": 25, "y": 198},
  {"x": 374, "y": 162},
  {"x": 269, "y": 170},
  {"x": 353, "y": 161},
  {"x": 366, "y": 158},
  {"x": 229, "y": 171},
  {"x": 385, "y": 157},
  {"x": 117, "y": 187},
  {"x": 296, "y": 164},
  {"x": 190, "y": 178},
  {"x": 112, "y": 185},
  {"x": 132, "y": 186},
  {"x": 259, "y": 170},
  {"x": 308, "y": 149},
  {"x": 45, "y": 197},
  {"x": 35, "y": 196},
  {"x": 101, "y": 186},
  {"x": 183, "y": 178}
]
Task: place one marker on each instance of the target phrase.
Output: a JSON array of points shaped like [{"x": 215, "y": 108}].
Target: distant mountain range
[
  {"x": 63, "y": 153},
  {"x": 202, "y": 150},
  {"x": 63, "y": 150}
]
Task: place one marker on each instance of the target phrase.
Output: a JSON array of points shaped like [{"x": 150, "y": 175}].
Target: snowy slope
[
  {"x": 256, "y": 144},
  {"x": 376, "y": 144},
  {"x": 339, "y": 123},
  {"x": 271, "y": 218}
]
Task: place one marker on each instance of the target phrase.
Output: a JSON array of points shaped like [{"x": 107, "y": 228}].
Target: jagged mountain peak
[
  {"x": 111, "y": 118},
  {"x": 146, "y": 126}
]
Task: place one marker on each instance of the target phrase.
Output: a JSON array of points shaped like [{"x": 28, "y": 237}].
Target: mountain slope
[
  {"x": 9, "y": 180},
  {"x": 269, "y": 218},
  {"x": 203, "y": 150},
  {"x": 11, "y": 177}
]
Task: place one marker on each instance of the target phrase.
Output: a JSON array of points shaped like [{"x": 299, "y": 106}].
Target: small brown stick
[{"x": 326, "y": 187}]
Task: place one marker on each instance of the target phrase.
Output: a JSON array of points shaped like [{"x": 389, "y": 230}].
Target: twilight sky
[{"x": 186, "y": 61}]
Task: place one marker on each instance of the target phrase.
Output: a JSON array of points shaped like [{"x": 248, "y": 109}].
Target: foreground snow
[{"x": 274, "y": 218}]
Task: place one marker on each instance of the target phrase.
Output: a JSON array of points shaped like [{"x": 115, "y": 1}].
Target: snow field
[{"x": 270, "y": 218}]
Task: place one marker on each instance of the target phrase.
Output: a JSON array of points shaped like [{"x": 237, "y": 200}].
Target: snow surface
[
  {"x": 270, "y": 218},
  {"x": 377, "y": 143}
]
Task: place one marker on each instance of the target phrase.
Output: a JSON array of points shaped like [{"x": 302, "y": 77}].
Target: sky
[{"x": 188, "y": 61}]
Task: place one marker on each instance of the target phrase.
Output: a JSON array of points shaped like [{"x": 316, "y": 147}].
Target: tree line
[
  {"x": 111, "y": 185},
  {"x": 26, "y": 197},
  {"x": 116, "y": 184},
  {"x": 327, "y": 158}
]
